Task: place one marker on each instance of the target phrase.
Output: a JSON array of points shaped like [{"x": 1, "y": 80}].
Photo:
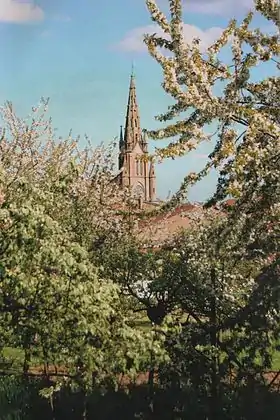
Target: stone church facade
[{"x": 134, "y": 172}]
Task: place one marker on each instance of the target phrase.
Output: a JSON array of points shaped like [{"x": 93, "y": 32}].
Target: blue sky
[{"x": 79, "y": 53}]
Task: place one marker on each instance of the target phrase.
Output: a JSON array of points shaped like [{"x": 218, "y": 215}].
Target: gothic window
[
  {"x": 135, "y": 122},
  {"x": 136, "y": 137},
  {"x": 138, "y": 191}
]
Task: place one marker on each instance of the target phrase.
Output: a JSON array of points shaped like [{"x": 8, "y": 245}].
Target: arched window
[{"x": 138, "y": 190}]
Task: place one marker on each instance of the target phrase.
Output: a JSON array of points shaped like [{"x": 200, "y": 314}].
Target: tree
[
  {"x": 245, "y": 111},
  {"x": 56, "y": 305},
  {"x": 83, "y": 197},
  {"x": 204, "y": 292},
  {"x": 221, "y": 337},
  {"x": 206, "y": 89}
]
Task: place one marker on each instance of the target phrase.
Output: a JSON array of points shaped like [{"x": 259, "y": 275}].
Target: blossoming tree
[
  {"x": 208, "y": 88},
  {"x": 56, "y": 306},
  {"x": 211, "y": 89}
]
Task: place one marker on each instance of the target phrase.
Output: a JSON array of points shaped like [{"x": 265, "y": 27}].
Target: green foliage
[
  {"x": 215, "y": 299},
  {"x": 74, "y": 275},
  {"x": 56, "y": 304},
  {"x": 226, "y": 275}
]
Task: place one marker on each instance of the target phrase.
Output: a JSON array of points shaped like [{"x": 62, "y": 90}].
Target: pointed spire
[
  {"x": 132, "y": 69},
  {"x": 131, "y": 173},
  {"x": 132, "y": 133}
]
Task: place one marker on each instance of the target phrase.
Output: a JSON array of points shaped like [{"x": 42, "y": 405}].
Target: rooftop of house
[{"x": 157, "y": 230}]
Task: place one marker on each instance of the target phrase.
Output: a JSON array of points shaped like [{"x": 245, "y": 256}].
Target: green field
[{"x": 12, "y": 358}]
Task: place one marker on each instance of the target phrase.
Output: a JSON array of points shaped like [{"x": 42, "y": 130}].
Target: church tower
[{"x": 135, "y": 173}]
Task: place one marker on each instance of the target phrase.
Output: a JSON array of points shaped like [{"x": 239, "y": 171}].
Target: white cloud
[
  {"x": 133, "y": 41},
  {"x": 19, "y": 11},
  {"x": 218, "y": 7}
]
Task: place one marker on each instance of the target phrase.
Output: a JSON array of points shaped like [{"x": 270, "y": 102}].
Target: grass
[
  {"x": 14, "y": 357},
  {"x": 14, "y": 354},
  {"x": 276, "y": 361},
  {"x": 143, "y": 324}
]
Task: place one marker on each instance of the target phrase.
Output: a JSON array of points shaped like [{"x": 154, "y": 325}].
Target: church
[
  {"x": 140, "y": 176},
  {"x": 135, "y": 172}
]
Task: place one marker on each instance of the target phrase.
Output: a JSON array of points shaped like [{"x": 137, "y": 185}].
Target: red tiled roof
[
  {"x": 229, "y": 203},
  {"x": 155, "y": 231}
]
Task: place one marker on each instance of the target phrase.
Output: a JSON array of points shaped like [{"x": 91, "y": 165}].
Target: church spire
[
  {"x": 132, "y": 134},
  {"x": 135, "y": 171},
  {"x": 132, "y": 69}
]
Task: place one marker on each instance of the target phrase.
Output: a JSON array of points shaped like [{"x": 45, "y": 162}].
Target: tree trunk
[{"x": 151, "y": 389}]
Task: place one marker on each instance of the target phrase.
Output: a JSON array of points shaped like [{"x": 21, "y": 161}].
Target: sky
[{"x": 79, "y": 54}]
